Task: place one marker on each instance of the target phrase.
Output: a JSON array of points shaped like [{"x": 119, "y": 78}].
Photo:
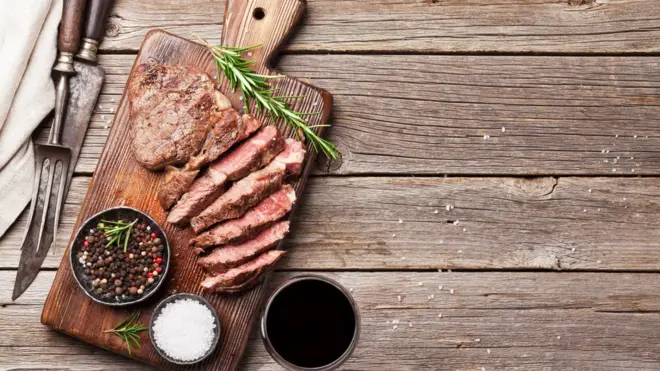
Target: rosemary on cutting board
[
  {"x": 255, "y": 87},
  {"x": 128, "y": 330},
  {"x": 116, "y": 231}
]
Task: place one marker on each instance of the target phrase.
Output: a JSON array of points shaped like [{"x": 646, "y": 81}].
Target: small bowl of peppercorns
[{"x": 120, "y": 256}]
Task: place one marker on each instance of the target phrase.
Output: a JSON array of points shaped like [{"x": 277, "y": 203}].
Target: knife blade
[
  {"x": 87, "y": 83},
  {"x": 52, "y": 159}
]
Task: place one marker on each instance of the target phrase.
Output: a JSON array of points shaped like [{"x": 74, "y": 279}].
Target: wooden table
[{"x": 515, "y": 143}]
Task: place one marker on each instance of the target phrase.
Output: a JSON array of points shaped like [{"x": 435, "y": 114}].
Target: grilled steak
[
  {"x": 172, "y": 110},
  {"x": 293, "y": 156},
  {"x": 230, "y": 256},
  {"x": 267, "y": 211},
  {"x": 242, "y": 274},
  {"x": 241, "y": 161},
  {"x": 176, "y": 183},
  {"x": 250, "y": 190},
  {"x": 243, "y": 195},
  {"x": 231, "y": 129}
]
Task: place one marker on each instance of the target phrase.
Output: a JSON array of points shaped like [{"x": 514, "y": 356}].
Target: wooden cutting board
[{"x": 119, "y": 180}]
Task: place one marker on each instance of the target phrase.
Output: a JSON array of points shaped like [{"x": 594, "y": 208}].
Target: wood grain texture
[
  {"x": 119, "y": 180},
  {"x": 510, "y": 223},
  {"x": 556, "y": 26},
  {"x": 495, "y": 320},
  {"x": 429, "y": 114}
]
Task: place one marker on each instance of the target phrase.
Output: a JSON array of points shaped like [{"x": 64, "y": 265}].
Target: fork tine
[
  {"x": 44, "y": 213},
  {"x": 60, "y": 197},
  {"x": 35, "y": 192}
]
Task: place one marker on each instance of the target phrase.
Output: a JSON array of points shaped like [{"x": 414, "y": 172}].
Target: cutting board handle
[{"x": 265, "y": 22}]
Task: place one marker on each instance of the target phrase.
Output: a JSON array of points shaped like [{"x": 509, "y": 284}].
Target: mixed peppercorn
[{"x": 124, "y": 267}]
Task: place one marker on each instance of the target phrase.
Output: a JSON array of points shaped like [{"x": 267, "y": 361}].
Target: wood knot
[
  {"x": 536, "y": 187},
  {"x": 328, "y": 165},
  {"x": 112, "y": 28}
]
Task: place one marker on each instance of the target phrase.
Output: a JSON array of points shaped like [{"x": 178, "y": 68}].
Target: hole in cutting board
[{"x": 259, "y": 13}]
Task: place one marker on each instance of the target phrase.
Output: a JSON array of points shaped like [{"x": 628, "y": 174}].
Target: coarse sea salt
[{"x": 185, "y": 330}]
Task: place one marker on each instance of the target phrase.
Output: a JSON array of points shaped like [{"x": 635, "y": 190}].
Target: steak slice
[
  {"x": 223, "y": 258},
  {"x": 176, "y": 183},
  {"x": 244, "y": 273},
  {"x": 243, "y": 195},
  {"x": 172, "y": 108},
  {"x": 226, "y": 132},
  {"x": 250, "y": 190},
  {"x": 241, "y": 161},
  {"x": 267, "y": 211}
]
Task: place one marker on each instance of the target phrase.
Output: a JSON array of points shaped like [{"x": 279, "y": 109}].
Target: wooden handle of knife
[
  {"x": 72, "y": 15},
  {"x": 96, "y": 17}
]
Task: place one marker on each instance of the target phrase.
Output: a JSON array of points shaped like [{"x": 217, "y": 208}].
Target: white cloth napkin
[{"x": 28, "y": 46}]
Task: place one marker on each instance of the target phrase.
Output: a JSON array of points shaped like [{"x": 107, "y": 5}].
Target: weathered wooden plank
[
  {"x": 503, "y": 223},
  {"x": 563, "y": 26},
  {"x": 519, "y": 321},
  {"x": 431, "y": 114}
]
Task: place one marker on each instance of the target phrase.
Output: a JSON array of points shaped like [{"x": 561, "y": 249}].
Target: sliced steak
[
  {"x": 250, "y": 190},
  {"x": 267, "y": 211},
  {"x": 242, "y": 195},
  {"x": 241, "y": 161},
  {"x": 293, "y": 156},
  {"x": 244, "y": 273},
  {"x": 176, "y": 183},
  {"x": 172, "y": 108},
  {"x": 231, "y": 129},
  {"x": 230, "y": 256}
]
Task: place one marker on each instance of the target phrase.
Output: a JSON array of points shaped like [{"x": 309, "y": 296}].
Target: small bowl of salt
[{"x": 184, "y": 329}]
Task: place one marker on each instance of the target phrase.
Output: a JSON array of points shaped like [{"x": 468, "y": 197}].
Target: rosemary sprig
[
  {"x": 128, "y": 330},
  {"x": 117, "y": 231},
  {"x": 255, "y": 87}
]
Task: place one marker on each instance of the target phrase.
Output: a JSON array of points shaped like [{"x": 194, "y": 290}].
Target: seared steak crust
[{"x": 172, "y": 110}]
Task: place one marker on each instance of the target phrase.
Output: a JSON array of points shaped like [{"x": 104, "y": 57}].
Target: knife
[
  {"x": 52, "y": 159},
  {"x": 86, "y": 85}
]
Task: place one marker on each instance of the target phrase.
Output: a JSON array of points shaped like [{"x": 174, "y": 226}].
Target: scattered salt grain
[
  {"x": 448, "y": 207},
  {"x": 503, "y": 129},
  {"x": 589, "y": 190},
  {"x": 439, "y": 315},
  {"x": 395, "y": 327},
  {"x": 409, "y": 324},
  {"x": 602, "y": 151},
  {"x": 461, "y": 251},
  {"x": 249, "y": 54},
  {"x": 393, "y": 234},
  {"x": 558, "y": 337},
  {"x": 456, "y": 222},
  {"x": 398, "y": 298},
  {"x": 618, "y": 157},
  {"x": 440, "y": 270},
  {"x": 614, "y": 170},
  {"x": 633, "y": 170},
  {"x": 488, "y": 351},
  {"x": 483, "y": 369},
  {"x": 451, "y": 291},
  {"x": 440, "y": 287},
  {"x": 240, "y": 98},
  {"x": 464, "y": 229},
  {"x": 431, "y": 297},
  {"x": 184, "y": 330},
  {"x": 403, "y": 258},
  {"x": 573, "y": 248},
  {"x": 598, "y": 261},
  {"x": 103, "y": 117},
  {"x": 400, "y": 221},
  {"x": 598, "y": 209},
  {"x": 584, "y": 211},
  {"x": 436, "y": 212},
  {"x": 449, "y": 270},
  {"x": 477, "y": 340},
  {"x": 396, "y": 321},
  {"x": 634, "y": 136},
  {"x": 632, "y": 158},
  {"x": 441, "y": 241},
  {"x": 350, "y": 290},
  {"x": 420, "y": 283},
  {"x": 105, "y": 126},
  {"x": 616, "y": 136},
  {"x": 486, "y": 136},
  {"x": 606, "y": 161}
]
